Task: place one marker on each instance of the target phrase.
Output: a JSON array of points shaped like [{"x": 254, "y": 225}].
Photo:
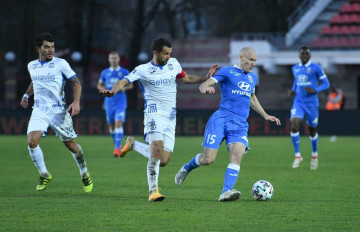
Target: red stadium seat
[
  {"x": 326, "y": 30},
  {"x": 346, "y": 8},
  {"x": 355, "y": 8},
  {"x": 336, "y": 19},
  {"x": 334, "y": 30},
  {"x": 344, "y": 30}
]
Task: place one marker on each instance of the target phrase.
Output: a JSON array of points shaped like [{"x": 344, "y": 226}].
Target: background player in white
[
  {"x": 115, "y": 107},
  {"x": 47, "y": 84},
  {"x": 229, "y": 121},
  {"x": 157, "y": 80},
  {"x": 307, "y": 76}
]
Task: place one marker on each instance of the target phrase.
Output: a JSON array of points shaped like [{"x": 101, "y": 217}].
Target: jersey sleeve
[
  {"x": 220, "y": 75},
  {"x": 134, "y": 75},
  {"x": 102, "y": 77},
  {"x": 67, "y": 70}
]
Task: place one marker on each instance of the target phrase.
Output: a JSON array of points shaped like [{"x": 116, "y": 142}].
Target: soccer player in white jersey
[
  {"x": 157, "y": 80},
  {"x": 307, "y": 76},
  {"x": 48, "y": 75},
  {"x": 228, "y": 123}
]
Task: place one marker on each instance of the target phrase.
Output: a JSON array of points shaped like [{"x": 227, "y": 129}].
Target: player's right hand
[
  {"x": 291, "y": 93},
  {"x": 24, "y": 102},
  {"x": 107, "y": 93},
  {"x": 210, "y": 90}
]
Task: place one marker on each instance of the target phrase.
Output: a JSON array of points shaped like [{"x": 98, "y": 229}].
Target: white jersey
[
  {"x": 158, "y": 85},
  {"x": 48, "y": 78}
]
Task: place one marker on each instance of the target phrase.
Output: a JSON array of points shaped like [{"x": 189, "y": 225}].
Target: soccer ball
[{"x": 262, "y": 190}]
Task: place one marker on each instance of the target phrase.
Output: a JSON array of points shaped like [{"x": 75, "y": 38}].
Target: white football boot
[
  {"x": 297, "y": 162},
  {"x": 181, "y": 175},
  {"x": 230, "y": 195}
]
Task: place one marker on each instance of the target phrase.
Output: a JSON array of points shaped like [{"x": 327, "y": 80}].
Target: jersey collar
[
  {"x": 306, "y": 65},
  {"x": 237, "y": 67},
  {"x": 159, "y": 66},
  {"x": 111, "y": 69},
  {"x": 44, "y": 62}
]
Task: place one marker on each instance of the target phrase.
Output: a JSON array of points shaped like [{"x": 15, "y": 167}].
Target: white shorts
[
  {"x": 160, "y": 127},
  {"x": 61, "y": 123}
]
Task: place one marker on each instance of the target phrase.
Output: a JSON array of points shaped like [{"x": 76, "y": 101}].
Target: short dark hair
[
  {"x": 160, "y": 43},
  {"x": 305, "y": 48},
  {"x": 42, "y": 37}
]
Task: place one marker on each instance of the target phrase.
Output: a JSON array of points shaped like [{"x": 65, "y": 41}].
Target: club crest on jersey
[
  {"x": 152, "y": 70},
  {"x": 308, "y": 70},
  {"x": 51, "y": 65},
  {"x": 119, "y": 74},
  {"x": 171, "y": 67},
  {"x": 250, "y": 78}
]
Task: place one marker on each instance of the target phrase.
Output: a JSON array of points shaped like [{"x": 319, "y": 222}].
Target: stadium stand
[{"x": 343, "y": 30}]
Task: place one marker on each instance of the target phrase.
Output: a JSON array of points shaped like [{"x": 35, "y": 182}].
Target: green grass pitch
[{"x": 323, "y": 200}]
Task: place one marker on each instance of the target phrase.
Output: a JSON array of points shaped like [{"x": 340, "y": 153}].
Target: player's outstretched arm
[
  {"x": 255, "y": 105},
  {"x": 191, "y": 79},
  {"x": 25, "y": 99},
  {"x": 206, "y": 87},
  {"x": 116, "y": 88},
  {"x": 74, "y": 107}
]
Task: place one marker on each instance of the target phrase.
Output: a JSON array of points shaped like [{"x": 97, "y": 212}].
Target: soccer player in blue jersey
[
  {"x": 229, "y": 121},
  {"x": 307, "y": 76},
  {"x": 115, "y": 107}
]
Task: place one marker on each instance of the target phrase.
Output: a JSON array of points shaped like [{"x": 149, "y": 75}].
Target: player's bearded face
[
  {"x": 46, "y": 51},
  {"x": 163, "y": 57}
]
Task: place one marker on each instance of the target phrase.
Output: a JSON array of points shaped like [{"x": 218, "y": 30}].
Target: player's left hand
[
  {"x": 273, "y": 119},
  {"x": 310, "y": 90},
  {"x": 213, "y": 70},
  {"x": 75, "y": 109}
]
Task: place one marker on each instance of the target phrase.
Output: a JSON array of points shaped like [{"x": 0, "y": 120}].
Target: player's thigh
[
  {"x": 214, "y": 131},
  {"x": 312, "y": 116},
  {"x": 237, "y": 132},
  {"x": 237, "y": 151},
  {"x": 297, "y": 111},
  {"x": 110, "y": 114},
  {"x": 39, "y": 121},
  {"x": 120, "y": 114},
  {"x": 62, "y": 125}
]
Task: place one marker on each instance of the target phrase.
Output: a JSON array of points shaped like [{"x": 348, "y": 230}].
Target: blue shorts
[
  {"x": 311, "y": 113},
  {"x": 225, "y": 125},
  {"x": 115, "y": 113}
]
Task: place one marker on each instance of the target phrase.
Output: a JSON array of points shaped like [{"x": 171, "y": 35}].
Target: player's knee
[
  {"x": 206, "y": 159},
  {"x": 32, "y": 143}
]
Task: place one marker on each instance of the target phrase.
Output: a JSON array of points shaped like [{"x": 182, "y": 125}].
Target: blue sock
[
  {"x": 231, "y": 175},
  {"x": 119, "y": 133},
  {"x": 314, "y": 142},
  {"x": 193, "y": 163},
  {"x": 295, "y": 138}
]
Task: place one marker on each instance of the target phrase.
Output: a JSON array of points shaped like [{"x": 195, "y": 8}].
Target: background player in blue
[
  {"x": 229, "y": 121},
  {"x": 307, "y": 76},
  {"x": 115, "y": 107}
]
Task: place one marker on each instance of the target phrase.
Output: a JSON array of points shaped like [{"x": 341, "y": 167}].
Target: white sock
[
  {"x": 80, "y": 161},
  {"x": 142, "y": 148},
  {"x": 153, "y": 168},
  {"x": 37, "y": 157}
]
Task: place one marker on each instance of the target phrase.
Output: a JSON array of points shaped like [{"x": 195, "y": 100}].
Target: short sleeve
[
  {"x": 66, "y": 70},
  {"x": 220, "y": 75}
]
